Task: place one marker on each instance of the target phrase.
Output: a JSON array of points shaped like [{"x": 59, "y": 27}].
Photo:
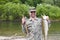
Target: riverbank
[{"x": 50, "y": 37}]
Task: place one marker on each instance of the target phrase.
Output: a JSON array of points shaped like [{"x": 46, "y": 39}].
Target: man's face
[{"x": 33, "y": 14}]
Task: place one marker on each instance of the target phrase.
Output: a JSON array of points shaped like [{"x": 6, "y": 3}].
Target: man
[{"x": 33, "y": 26}]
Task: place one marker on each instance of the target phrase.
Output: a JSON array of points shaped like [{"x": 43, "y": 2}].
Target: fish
[{"x": 45, "y": 26}]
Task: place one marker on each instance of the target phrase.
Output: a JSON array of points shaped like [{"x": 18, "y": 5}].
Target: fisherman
[{"x": 33, "y": 25}]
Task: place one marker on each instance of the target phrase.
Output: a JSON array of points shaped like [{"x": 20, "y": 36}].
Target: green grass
[{"x": 12, "y": 28}]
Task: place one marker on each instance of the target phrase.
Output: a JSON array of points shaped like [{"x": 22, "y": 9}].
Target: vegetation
[
  {"x": 52, "y": 11},
  {"x": 14, "y": 9},
  {"x": 11, "y": 11}
]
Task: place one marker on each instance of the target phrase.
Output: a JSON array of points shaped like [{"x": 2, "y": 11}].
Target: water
[
  {"x": 55, "y": 28},
  {"x": 14, "y": 28},
  {"x": 10, "y": 28}
]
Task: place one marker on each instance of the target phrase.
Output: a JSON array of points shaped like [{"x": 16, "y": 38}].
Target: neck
[{"x": 32, "y": 18}]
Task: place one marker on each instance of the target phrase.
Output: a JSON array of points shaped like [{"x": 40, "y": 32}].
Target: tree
[
  {"x": 52, "y": 2},
  {"x": 57, "y": 2},
  {"x": 14, "y": 11},
  {"x": 6, "y": 1},
  {"x": 33, "y": 2},
  {"x": 52, "y": 11}
]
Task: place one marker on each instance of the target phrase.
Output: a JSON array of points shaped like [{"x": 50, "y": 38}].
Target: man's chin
[{"x": 33, "y": 17}]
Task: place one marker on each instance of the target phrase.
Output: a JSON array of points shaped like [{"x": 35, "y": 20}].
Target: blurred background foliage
[
  {"x": 52, "y": 11},
  {"x": 14, "y": 9}
]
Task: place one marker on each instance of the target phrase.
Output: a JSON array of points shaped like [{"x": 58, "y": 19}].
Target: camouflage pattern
[
  {"x": 34, "y": 29},
  {"x": 24, "y": 26}
]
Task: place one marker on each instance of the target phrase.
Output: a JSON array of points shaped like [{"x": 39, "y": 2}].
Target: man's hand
[
  {"x": 23, "y": 20},
  {"x": 47, "y": 18}
]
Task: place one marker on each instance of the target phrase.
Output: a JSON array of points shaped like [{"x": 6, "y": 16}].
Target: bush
[
  {"x": 52, "y": 11},
  {"x": 14, "y": 11}
]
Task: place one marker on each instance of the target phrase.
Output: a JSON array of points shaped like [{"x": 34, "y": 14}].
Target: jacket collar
[{"x": 34, "y": 19}]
